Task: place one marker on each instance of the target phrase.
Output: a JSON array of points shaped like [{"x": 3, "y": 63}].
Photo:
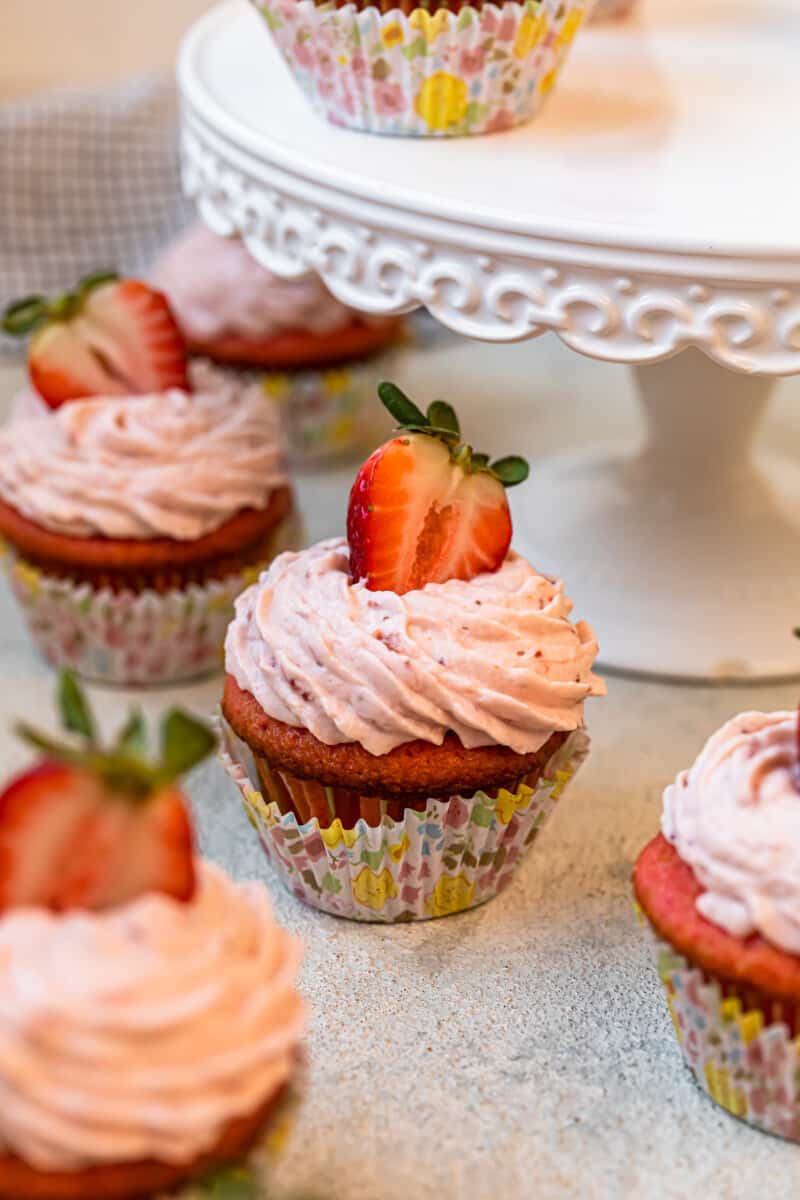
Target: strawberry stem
[
  {"x": 442, "y": 423},
  {"x": 124, "y": 767},
  {"x": 24, "y": 316}
]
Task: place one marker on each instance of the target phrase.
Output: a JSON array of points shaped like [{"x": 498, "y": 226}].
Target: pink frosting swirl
[
  {"x": 496, "y": 660},
  {"x": 174, "y": 465},
  {"x": 143, "y": 1031},
  {"x": 734, "y": 817},
  {"x": 218, "y": 290}
]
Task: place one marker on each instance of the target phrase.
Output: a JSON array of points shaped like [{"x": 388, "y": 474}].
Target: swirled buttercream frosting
[
  {"x": 734, "y": 817},
  {"x": 495, "y": 660},
  {"x": 174, "y": 464},
  {"x": 141, "y": 1032},
  {"x": 216, "y": 289}
]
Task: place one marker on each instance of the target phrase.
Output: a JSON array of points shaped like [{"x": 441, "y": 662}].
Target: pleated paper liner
[
  {"x": 741, "y": 1045},
  {"x": 326, "y": 413},
  {"x": 134, "y": 638},
  {"x": 411, "y": 864},
  {"x": 418, "y": 71}
]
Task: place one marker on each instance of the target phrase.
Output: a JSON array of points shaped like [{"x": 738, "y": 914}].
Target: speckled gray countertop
[{"x": 524, "y": 1049}]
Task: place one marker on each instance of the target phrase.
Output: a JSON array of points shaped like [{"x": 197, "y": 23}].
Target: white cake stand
[{"x": 652, "y": 211}]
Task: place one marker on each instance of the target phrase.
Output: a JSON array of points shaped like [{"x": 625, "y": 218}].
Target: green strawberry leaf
[
  {"x": 404, "y": 411},
  {"x": 235, "y": 1183},
  {"x": 22, "y": 317},
  {"x": 76, "y": 714},
  {"x": 132, "y": 738},
  {"x": 185, "y": 742},
  {"x": 443, "y": 416},
  {"x": 510, "y": 471}
]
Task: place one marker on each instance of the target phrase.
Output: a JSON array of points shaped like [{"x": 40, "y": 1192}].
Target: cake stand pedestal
[{"x": 651, "y": 212}]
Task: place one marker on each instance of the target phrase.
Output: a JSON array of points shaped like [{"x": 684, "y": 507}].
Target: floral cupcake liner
[
  {"x": 610, "y": 10},
  {"x": 131, "y": 637},
  {"x": 325, "y": 411},
  {"x": 421, "y": 73},
  {"x": 742, "y": 1047},
  {"x": 454, "y": 855}
]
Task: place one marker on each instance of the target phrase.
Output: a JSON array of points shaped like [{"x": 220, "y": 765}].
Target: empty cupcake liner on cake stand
[
  {"x": 454, "y": 855},
  {"x": 415, "y": 73}
]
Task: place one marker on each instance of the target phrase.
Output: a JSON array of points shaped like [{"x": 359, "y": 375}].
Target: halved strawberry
[
  {"x": 425, "y": 508},
  {"x": 91, "y": 828},
  {"x": 68, "y": 841},
  {"x": 111, "y": 337}
]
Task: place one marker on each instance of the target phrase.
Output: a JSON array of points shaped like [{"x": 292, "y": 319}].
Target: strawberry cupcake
[
  {"x": 314, "y": 357},
  {"x": 720, "y": 889},
  {"x": 149, "y": 1014},
  {"x": 425, "y": 68},
  {"x": 404, "y": 707},
  {"x": 138, "y": 494}
]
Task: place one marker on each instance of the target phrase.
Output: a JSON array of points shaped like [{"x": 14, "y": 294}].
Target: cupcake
[
  {"x": 425, "y": 68},
  {"x": 149, "y": 1017},
  {"x": 316, "y": 358},
  {"x": 720, "y": 889},
  {"x": 404, "y": 707},
  {"x": 138, "y": 494}
]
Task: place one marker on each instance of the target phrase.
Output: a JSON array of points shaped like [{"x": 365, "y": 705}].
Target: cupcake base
[
  {"x": 160, "y": 564},
  {"x": 740, "y": 1047},
  {"x": 146, "y": 637},
  {"x": 443, "y": 857},
  {"x": 132, "y": 1181},
  {"x": 734, "y": 1003},
  {"x": 299, "y": 350}
]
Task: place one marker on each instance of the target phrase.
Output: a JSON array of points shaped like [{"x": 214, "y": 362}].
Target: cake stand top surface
[{"x": 668, "y": 146}]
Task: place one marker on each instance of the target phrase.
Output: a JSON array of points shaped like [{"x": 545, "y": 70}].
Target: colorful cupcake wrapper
[
  {"x": 742, "y": 1048},
  {"x": 454, "y": 855},
  {"x": 425, "y": 74},
  {"x": 610, "y": 10},
  {"x": 133, "y": 637},
  {"x": 325, "y": 411}
]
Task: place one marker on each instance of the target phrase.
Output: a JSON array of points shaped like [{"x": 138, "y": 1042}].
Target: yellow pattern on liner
[
  {"x": 397, "y": 853},
  {"x": 30, "y": 577},
  {"x": 276, "y": 386},
  {"x": 570, "y": 27},
  {"x": 721, "y": 1089},
  {"x": 529, "y": 34},
  {"x": 392, "y": 34},
  {"x": 443, "y": 100},
  {"x": 750, "y": 1023},
  {"x": 336, "y": 380},
  {"x": 430, "y": 26},
  {"x": 374, "y": 890},
  {"x": 337, "y": 833},
  {"x": 507, "y": 803},
  {"x": 452, "y": 894},
  {"x": 563, "y": 777}
]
